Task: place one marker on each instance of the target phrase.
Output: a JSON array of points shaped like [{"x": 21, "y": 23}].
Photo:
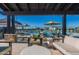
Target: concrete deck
[
  {"x": 66, "y": 49},
  {"x": 35, "y": 50},
  {"x": 18, "y": 47}
]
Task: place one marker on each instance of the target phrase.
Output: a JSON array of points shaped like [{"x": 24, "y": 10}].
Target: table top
[
  {"x": 23, "y": 36},
  {"x": 35, "y": 50},
  {"x": 5, "y": 41}
]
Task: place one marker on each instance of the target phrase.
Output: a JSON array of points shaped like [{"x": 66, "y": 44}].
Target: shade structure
[
  {"x": 39, "y": 8},
  {"x": 14, "y": 9}
]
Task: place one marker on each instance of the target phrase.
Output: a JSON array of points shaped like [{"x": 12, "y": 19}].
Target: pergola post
[
  {"x": 8, "y": 24},
  {"x": 64, "y": 24},
  {"x": 13, "y": 24}
]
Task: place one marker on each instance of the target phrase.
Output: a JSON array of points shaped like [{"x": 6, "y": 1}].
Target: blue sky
[
  {"x": 72, "y": 20},
  {"x": 40, "y": 20}
]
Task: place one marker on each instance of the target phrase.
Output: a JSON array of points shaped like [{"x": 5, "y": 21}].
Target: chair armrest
[{"x": 5, "y": 41}]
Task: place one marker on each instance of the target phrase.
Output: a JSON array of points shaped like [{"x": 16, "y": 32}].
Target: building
[
  {"x": 3, "y": 23},
  {"x": 77, "y": 29},
  {"x": 71, "y": 30}
]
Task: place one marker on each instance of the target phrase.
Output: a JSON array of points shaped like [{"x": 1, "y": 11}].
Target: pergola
[{"x": 13, "y": 9}]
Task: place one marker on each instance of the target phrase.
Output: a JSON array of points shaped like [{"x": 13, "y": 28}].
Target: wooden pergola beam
[
  {"x": 57, "y": 6},
  {"x": 44, "y": 7},
  {"x": 76, "y": 7},
  {"x": 14, "y": 7},
  {"x": 18, "y": 7},
  {"x": 5, "y": 6},
  {"x": 39, "y": 13},
  {"x": 67, "y": 8},
  {"x": 2, "y": 7},
  {"x": 28, "y": 6},
  {"x": 47, "y": 6},
  {"x": 38, "y": 6},
  {"x": 32, "y": 13}
]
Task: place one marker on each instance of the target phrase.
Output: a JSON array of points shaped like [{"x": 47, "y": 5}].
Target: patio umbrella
[{"x": 52, "y": 23}]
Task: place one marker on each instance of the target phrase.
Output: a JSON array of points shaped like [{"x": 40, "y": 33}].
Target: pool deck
[{"x": 18, "y": 47}]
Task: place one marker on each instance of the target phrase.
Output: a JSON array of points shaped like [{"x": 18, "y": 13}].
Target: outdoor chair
[
  {"x": 66, "y": 49},
  {"x": 47, "y": 41},
  {"x": 58, "y": 38},
  {"x": 36, "y": 40},
  {"x": 46, "y": 38}
]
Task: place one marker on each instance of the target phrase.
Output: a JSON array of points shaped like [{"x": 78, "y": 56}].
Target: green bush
[{"x": 35, "y": 36}]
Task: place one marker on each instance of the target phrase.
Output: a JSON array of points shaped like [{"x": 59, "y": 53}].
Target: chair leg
[
  {"x": 10, "y": 45},
  {"x": 41, "y": 41},
  {"x": 29, "y": 44},
  {"x": 54, "y": 48},
  {"x": 53, "y": 40},
  {"x": 62, "y": 40}
]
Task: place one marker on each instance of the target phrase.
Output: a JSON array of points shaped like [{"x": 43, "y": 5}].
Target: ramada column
[
  {"x": 64, "y": 24},
  {"x": 8, "y": 24},
  {"x": 13, "y": 24}
]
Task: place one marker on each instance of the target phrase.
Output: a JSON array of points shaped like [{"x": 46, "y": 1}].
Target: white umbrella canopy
[
  {"x": 52, "y": 23},
  {"x": 58, "y": 26}
]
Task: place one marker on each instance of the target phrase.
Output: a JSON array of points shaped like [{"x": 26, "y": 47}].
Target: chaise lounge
[{"x": 69, "y": 47}]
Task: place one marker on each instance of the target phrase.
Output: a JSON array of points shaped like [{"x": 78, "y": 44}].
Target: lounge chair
[
  {"x": 58, "y": 38},
  {"x": 66, "y": 48}
]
